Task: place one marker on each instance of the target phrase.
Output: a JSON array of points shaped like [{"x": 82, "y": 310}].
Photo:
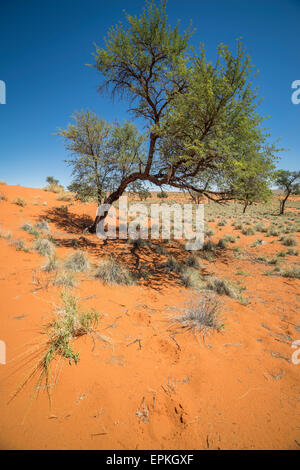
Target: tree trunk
[
  {"x": 282, "y": 204},
  {"x": 130, "y": 179},
  {"x": 245, "y": 207}
]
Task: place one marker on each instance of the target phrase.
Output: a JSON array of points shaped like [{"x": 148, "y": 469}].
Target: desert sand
[{"x": 145, "y": 383}]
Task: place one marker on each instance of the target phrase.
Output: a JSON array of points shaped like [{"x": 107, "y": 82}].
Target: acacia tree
[
  {"x": 289, "y": 183},
  {"x": 251, "y": 179},
  {"x": 200, "y": 118},
  {"x": 102, "y": 154}
]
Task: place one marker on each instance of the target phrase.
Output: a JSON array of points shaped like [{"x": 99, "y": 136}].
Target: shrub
[
  {"x": 112, "y": 272},
  {"x": 78, "y": 262},
  {"x": 201, "y": 315},
  {"x": 3, "y": 197},
  {"x": 44, "y": 247},
  {"x": 162, "y": 195}
]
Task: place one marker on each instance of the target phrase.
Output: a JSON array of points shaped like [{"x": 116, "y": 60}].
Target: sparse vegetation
[
  {"x": 202, "y": 315},
  {"x": 44, "y": 247},
  {"x": 20, "y": 202},
  {"x": 112, "y": 272},
  {"x": 78, "y": 262}
]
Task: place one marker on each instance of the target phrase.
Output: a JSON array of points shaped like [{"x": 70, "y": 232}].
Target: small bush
[
  {"x": 3, "y": 197},
  {"x": 202, "y": 315},
  {"x": 162, "y": 195},
  {"x": 78, "y": 262},
  {"x": 112, "y": 272},
  {"x": 44, "y": 247}
]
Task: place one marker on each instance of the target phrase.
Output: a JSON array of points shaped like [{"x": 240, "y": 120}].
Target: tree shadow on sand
[{"x": 68, "y": 221}]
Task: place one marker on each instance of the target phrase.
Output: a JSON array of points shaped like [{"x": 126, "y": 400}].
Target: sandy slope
[{"x": 170, "y": 390}]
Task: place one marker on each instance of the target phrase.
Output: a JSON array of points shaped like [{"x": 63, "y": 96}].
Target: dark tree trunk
[
  {"x": 245, "y": 207},
  {"x": 282, "y": 204}
]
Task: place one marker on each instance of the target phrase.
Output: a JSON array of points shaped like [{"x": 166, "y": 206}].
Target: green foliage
[
  {"x": 162, "y": 195},
  {"x": 205, "y": 135},
  {"x": 102, "y": 154}
]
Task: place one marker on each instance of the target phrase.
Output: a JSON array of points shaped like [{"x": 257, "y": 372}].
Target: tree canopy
[{"x": 201, "y": 120}]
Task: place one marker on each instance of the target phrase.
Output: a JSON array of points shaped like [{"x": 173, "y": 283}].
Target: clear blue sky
[{"x": 45, "y": 44}]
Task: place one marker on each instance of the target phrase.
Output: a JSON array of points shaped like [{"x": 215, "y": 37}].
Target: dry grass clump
[
  {"x": 65, "y": 279},
  {"x": 44, "y": 247},
  {"x": 19, "y": 245},
  {"x": 193, "y": 261},
  {"x": 293, "y": 272},
  {"x": 221, "y": 286},
  {"x": 112, "y": 272},
  {"x": 64, "y": 196},
  {"x": 248, "y": 231},
  {"x": 202, "y": 315},
  {"x": 27, "y": 227},
  {"x": 192, "y": 279},
  {"x": 289, "y": 241},
  {"x": 43, "y": 225},
  {"x": 172, "y": 265},
  {"x": 78, "y": 262},
  {"x": 5, "y": 234},
  {"x": 20, "y": 202},
  {"x": 52, "y": 264}
]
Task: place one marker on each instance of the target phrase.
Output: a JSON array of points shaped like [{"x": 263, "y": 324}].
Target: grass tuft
[
  {"x": 112, "y": 272},
  {"x": 78, "y": 262},
  {"x": 202, "y": 315}
]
